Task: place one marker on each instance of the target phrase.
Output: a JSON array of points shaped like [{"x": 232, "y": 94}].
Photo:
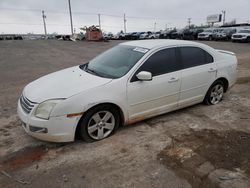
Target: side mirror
[{"x": 144, "y": 76}]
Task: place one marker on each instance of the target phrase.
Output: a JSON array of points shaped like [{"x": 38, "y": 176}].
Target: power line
[{"x": 92, "y": 13}]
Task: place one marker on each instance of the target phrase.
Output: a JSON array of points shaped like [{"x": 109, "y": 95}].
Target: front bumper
[
  {"x": 203, "y": 37},
  {"x": 239, "y": 39},
  {"x": 58, "y": 129},
  {"x": 221, "y": 37}
]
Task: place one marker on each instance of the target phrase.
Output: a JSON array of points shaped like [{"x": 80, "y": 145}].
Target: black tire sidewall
[
  {"x": 85, "y": 119},
  {"x": 207, "y": 99}
]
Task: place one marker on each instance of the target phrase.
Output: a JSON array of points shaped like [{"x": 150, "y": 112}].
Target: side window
[
  {"x": 209, "y": 58},
  {"x": 194, "y": 56},
  {"x": 161, "y": 62}
]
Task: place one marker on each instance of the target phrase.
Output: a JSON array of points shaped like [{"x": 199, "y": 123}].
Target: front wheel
[
  {"x": 215, "y": 93},
  {"x": 99, "y": 123}
]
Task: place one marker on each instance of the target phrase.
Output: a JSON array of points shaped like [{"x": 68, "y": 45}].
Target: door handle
[
  {"x": 173, "y": 79},
  {"x": 212, "y": 70}
]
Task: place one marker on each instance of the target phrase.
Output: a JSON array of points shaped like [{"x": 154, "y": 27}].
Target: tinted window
[
  {"x": 161, "y": 62},
  {"x": 193, "y": 56},
  {"x": 209, "y": 58}
]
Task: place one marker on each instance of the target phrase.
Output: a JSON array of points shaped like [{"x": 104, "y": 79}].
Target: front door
[{"x": 161, "y": 94}]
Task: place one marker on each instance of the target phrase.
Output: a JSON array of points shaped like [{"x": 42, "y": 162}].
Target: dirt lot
[{"x": 200, "y": 146}]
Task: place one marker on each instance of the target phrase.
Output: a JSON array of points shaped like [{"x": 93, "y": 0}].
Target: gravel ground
[{"x": 199, "y": 146}]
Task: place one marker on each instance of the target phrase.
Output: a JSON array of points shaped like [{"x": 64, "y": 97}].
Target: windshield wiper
[{"x": 85, "y": 68}]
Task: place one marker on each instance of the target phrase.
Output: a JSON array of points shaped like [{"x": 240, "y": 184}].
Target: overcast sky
[{"x": 23, "y": 16}]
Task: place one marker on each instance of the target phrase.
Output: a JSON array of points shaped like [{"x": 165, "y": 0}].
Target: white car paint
[
  {"x": 242, "y": 35},
  {"x": 137, "y": 100},
  {"x": 62, "y": 84}
]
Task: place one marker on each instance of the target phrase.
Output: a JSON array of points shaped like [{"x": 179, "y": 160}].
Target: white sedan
[{"x": 128, "y": 83}]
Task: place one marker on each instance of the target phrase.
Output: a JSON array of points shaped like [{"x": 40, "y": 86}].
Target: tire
[
  {"x": 215, "y": 93},
  {"x": 94, "y": 127},
  {"x": 248, "y": 39},
  {"x": 210, "y": 38}
]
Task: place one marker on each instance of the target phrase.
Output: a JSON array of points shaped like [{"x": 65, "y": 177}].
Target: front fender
[{"x": 110, "y": 93}]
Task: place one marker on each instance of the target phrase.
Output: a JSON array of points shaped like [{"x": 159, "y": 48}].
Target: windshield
[
  {"x": 244, "y": 31},
  {"x": 115, "y": 62}
]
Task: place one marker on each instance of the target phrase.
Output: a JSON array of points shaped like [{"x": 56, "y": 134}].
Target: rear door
[{"x": 198, "y": 73}]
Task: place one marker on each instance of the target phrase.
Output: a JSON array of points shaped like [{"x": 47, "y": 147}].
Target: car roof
[{"x": 157, "y": 43}]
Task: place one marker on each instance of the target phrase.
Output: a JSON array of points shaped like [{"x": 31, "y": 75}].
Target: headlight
[{"x": 45, "y": 108}]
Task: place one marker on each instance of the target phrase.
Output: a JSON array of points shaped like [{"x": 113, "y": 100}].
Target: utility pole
[
  {"x": 70, "y": 14},
  {"x": 154, "y": 27},
  {"x": 99, "y": 20},
  {"x": 44, "y": 24},
  {"x": 224, "y": 16},
  {"x": 124, "y": 22},
  {"x": 189, "y": 22}
]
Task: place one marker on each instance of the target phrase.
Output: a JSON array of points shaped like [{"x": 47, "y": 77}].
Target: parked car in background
[
  {"x": 241, "y": 36},
  {"x": 225, "y": 34},
  {"x": 136, "y": 35},
  {"x": 178, "y": 34},
  {"x": 128, "y": 36},
  {"x": 168, "y": 34},
  {"x": 192, "y": 34},
  {"x": 207, "y": 34},
  {"x": 107, "y": 36},
  {"x": 128, "y": 83},
  {"x": 155, "y": 35},
  {"x": 143, "y": 35},
  {"x": 18, "y": 37},
  {"x": 146, "y": 35},
  {"x": 120, "y": 36}
]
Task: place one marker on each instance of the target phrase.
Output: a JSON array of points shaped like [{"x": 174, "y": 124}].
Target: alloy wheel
[
  {"x": 216, "y": 94},
  {"x": 101, "y": 125}
]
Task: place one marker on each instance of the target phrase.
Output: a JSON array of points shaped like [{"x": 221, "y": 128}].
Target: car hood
[
  {"x": 62, "y": 84},
  {"x": 206, "y": 33}
]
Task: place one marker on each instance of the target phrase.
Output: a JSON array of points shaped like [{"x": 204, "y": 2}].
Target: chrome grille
[
  {"x": 26, "y": 104},
  {"x": 237, "y": 36}
]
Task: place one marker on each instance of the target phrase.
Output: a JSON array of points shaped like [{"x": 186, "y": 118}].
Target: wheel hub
[{"x": 100, "y": 124}]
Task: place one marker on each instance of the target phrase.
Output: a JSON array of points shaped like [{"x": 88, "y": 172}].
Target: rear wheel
[
  {"x": 99, "y": 123},
  {"x": 215, "y": 93}
]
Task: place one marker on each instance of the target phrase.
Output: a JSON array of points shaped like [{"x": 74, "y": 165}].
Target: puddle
[
  {"x": 194, "y": 156},
  {"x": 24, "y": 157}
]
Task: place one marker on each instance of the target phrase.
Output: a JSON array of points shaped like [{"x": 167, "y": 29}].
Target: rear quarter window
[{"x": 194, "y": 56}]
